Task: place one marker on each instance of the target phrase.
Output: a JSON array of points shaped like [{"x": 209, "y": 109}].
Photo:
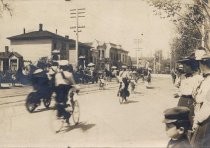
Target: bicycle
[
  {"x": 123, "y": 96},
  {"x": 123, "y": 92},
  {"x": 72, "y": 106},
  {"x": 32, "y": 102},
  {"x": 102, "y": 84}
]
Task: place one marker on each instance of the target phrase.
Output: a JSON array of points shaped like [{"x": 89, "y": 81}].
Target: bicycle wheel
[
  {"x": 56, "y": 122},
  {"x": 76, "y": 112},
  {"x": 122, "y": 96},
  {"x": 30, "y": 103}
]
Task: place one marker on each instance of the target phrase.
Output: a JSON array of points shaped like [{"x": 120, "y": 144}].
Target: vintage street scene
[{"x": 105, "y": 73}]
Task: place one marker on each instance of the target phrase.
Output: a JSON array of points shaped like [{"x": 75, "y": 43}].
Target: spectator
[{"x": 177, "y": 125}]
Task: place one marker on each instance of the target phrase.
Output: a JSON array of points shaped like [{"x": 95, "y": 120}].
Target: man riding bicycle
[
  {"x": 64, "y": 81},
  {"x": 124, "y": 81}
]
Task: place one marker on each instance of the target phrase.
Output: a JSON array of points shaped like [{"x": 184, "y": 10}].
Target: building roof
[
  {"x": 85, "y": 45},
  {"x": 91, "y": 44},
  {"x": 114, "y": 45},
  {"x": 7, "y": 55},
  {"x": 37, "y": 35},
  {"x": 118, "y": 47},
  {"x": 80, "y": 44}
]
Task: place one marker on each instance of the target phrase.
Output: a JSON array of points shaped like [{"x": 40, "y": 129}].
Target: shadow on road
[
  {"x": 131, "y": 101},
  {"x": 136, "y": 92},
  {"x": 82, "y": 125},
  {"x": 150, "y": 87}
]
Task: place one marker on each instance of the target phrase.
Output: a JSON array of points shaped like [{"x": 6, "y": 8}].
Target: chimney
[
  {"x": 56, "y": 31},
  {"x": 40, "y": 27},
  {"x": 6, "y": 49},
  {"x": 24, "y": 30},
  {"x": 66, "y": 36}
]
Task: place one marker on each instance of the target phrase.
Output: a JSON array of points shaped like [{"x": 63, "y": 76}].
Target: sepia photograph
[{"x": 105, "y": 73}]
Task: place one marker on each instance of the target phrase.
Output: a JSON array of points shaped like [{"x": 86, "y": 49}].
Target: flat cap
[
  {"x": 179, "y": 113},
  {"x": 188, "y": 59},
  {"x": 184, "y": 59}
]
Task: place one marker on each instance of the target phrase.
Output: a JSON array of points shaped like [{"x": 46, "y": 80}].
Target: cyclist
[
  {"x": 40, "y": 83},
  {"x": 124, "y": 82},
  {"x": 64, "y": 81}
]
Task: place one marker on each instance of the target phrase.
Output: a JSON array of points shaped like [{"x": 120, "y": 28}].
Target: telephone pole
[
  {"x": 137, "y": 41},
  {"x": 76, "y": 14}
]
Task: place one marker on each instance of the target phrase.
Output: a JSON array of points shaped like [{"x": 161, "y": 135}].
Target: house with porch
[{"x": 10, "y": 61}]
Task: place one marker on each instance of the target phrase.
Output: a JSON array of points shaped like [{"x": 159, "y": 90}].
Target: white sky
[{"x": 116, "y": 21}]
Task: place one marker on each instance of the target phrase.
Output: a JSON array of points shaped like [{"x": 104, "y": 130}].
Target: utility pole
[
  {"x": 154, "y": 64},
  {"x": 170, "y": 58},
  {"x": 138, "y": 49},
  {"x": 159, "y": 61},
  {"x": 137, "y": 41},
  {"x": 76, "y": 14}
]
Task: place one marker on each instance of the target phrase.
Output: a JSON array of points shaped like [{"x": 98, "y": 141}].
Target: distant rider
[{"x": 124, "y": 82}]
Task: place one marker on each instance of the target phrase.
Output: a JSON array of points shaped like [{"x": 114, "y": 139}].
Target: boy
[{"x": 177, "y": 124}]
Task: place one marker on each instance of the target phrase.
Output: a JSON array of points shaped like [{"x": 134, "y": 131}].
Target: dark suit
[{"x": 183, "y": 142}]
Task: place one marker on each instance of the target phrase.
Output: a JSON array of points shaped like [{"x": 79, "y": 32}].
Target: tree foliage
[
  {"x": 188, "y": 16},
  {"x": 5, "y": 6}
]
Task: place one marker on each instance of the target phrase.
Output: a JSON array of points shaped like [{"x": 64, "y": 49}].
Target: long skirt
[
  {"x": 201, "y": 137},
  {"x": 187, "y": 101}
]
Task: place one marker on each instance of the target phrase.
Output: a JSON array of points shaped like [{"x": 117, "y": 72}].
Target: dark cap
[
  {"x": 188, "y": 59},
  {"x": 179, "y": 113},
  {"x": 184, "y": 60}
]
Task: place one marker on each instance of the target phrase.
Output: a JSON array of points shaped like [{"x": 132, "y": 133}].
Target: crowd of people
[
  {"x": 60, "y": 77},
  {"x": 188, "y": 124}
]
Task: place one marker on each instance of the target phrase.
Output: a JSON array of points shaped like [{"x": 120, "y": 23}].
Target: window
[
  {"x": 99, "y": 54},
  {"x": 102, "y": 53},
  {"x": 54, "y": 45},
  {"x": 13, "y": 64},
  {"x": 111, "y": 55}
]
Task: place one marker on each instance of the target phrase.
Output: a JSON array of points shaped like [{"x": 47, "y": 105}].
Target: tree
[
  {"x": 191, "y": 17},
  {"x": 5, "y": 6}
]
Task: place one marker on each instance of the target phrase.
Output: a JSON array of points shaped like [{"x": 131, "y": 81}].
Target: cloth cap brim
[{"x": 169, "y": 120}]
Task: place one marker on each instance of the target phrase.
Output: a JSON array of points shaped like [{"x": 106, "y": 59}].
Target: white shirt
[
  {"x": 69, "y": 80},
  {"x": 197, "y": 80},
  {"x": 124, "y": 74},
  {"x": 189, "y": 84},
  {"x": 203, "y": 96}
]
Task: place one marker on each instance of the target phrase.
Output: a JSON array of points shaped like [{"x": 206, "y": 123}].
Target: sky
[{"x": 116, "y": 21}]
